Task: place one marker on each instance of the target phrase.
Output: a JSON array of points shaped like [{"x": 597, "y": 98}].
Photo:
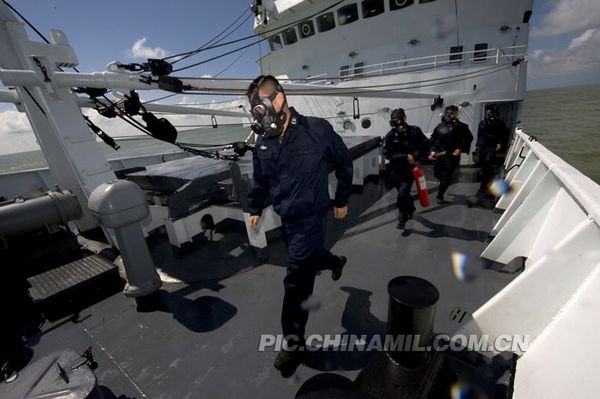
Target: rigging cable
[
  {"x": 42, "y": 37},
  {"x": 219, "y": 56},
  {"x": 133, "y": 122},
  {"x": 101, "y": 134},
  {"x": 160, "y": 98},
  {"x": 279, "y": 30},
  {"x": 35, "y": 101},
  {"x": 26, "y": 21},
  {"x": 230, "y": 65},
  {"x": 138, "y": 125},
  {"x": 212, "y": 41},
  {"x": 30, "y": 25}
]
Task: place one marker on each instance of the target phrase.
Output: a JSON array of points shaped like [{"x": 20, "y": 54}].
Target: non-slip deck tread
[{"x": 67, "y": 276}]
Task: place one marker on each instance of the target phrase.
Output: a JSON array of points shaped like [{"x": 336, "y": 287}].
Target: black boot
[
  {"x": 287, "y": 361},
  {"x": 401, "y": 224},
  {"x": 336, "y": 273}
]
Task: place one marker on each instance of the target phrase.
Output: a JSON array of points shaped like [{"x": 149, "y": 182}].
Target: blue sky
[
  {"x": 564, "y": 43},
  {"x": 564, "y": 40},
  {"x": 101, "y": 31}
]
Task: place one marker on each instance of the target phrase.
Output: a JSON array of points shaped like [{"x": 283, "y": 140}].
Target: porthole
[
  {"x": 398, "y": 4},
  {"x": 348, "y": 125},
  {"x": 306, "y": 29},
  {"x": 366, "y": 123}
]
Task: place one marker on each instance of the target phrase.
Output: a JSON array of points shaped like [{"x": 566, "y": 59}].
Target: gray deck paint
[{"x": 203, "y": 343}]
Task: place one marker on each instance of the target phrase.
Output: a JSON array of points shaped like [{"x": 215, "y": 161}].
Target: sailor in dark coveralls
[
  {"x": 492, "y": 137},
  {"x": 449, "y": 139},
  {"x": 403, "y": 146},
  {"x": 292, "y": 159}
]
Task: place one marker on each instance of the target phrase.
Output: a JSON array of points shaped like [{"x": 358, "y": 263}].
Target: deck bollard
[
  {"x": 120, "y": 205},
  {"x": 411, "y": 313},
  {"x": 409, "y": 368}
]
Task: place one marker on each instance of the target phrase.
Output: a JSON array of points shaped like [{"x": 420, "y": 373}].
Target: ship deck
[{"x": 203, "y": 340}]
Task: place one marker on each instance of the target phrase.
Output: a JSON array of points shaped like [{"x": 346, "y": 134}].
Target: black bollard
[
  {"x": 401, "y": 372},
  {"x": 411, "y": 313}
]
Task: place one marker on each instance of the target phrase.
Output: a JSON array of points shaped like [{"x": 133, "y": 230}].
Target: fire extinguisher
[{"x": 419, "y": 176}]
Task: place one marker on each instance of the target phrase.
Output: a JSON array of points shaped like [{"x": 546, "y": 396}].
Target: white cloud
[
  {"x": 140, "y": 50},
  {"x": 580, "y": 57},
  {"x": 580, "y": 40},
  {"x": 569, "y": 16},
  {"x": 13, "y": 122},
  {"x": 15, "y": 133}
]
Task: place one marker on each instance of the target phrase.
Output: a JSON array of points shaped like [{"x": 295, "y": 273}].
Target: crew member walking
[
  {"x": 492, "y": 137},
  {"x": 448, "y": 141},
  {"x": 403, "y": 146},
  {"x": 292, "y": 160}
]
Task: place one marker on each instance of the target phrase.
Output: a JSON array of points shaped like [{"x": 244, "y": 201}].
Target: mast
[{"x": 76, "y": 161}]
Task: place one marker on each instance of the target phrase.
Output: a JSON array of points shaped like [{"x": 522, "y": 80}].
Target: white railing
[
  {"x": 315, "y": 80},
  {"x": 551, "y": 218},
  {"x": 484, "y": 56}
]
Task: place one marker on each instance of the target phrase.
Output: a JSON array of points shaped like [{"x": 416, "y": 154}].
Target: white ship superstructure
[{"x": 470, "y": 52}]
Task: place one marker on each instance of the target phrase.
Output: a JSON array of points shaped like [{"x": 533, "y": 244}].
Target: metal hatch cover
[{"x": 58, "y": 375}]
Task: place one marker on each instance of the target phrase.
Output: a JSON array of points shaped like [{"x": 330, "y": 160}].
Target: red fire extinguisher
[{"x": 419, "y": 176}]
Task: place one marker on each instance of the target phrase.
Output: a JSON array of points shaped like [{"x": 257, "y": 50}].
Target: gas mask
[
  {"x": 398, "y": 125},
  {"x": 450, "y": 116},
  {"x": 490, "y": 115},
  {"x": 267, "y": 122}
]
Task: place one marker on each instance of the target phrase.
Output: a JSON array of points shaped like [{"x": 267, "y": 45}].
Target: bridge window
[
  {"x": 289, "y": 36},
  {"x": 526, "y": 16},
  {"x": 398, "y": 4},
  {"x": 359, "y": 70},
  {"x": 345, "y": 72},
  {"x": 370, "y": 8},
  {"x": 275, "y": 43},
  {"x": 347, "y": 14},
  {"x": 425, "y": 1},
  {"x": 306, "y": 29},
  {"x": 480, "y": 53},
  {"x": 325, "y": 22},
  {"x": 456, "y": 54}
]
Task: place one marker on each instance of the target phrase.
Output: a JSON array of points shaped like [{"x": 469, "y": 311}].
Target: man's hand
[
  {"x": 340, "y": 213},
  {"x": 431, "y": 155},
  {"x": 254, "y": 221},
  {"x": 498, "y": 147},
  {"x": 457, "y": 152},
  {"x": 410, "y": 159}
]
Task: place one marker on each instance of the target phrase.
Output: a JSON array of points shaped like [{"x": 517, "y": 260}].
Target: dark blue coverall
[
  {"x": 448, "y": 137},
  {"x": 294, "y": 174},
  {"x": 490, "y": 133},
  {"x": 396, "y": 147}
]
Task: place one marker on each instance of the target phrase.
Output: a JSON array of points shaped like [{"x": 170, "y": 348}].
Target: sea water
[{"x": 566, "y": 120}]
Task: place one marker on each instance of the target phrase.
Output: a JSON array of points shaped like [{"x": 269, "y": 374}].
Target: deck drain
[{"x": 458, "y": 314}]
